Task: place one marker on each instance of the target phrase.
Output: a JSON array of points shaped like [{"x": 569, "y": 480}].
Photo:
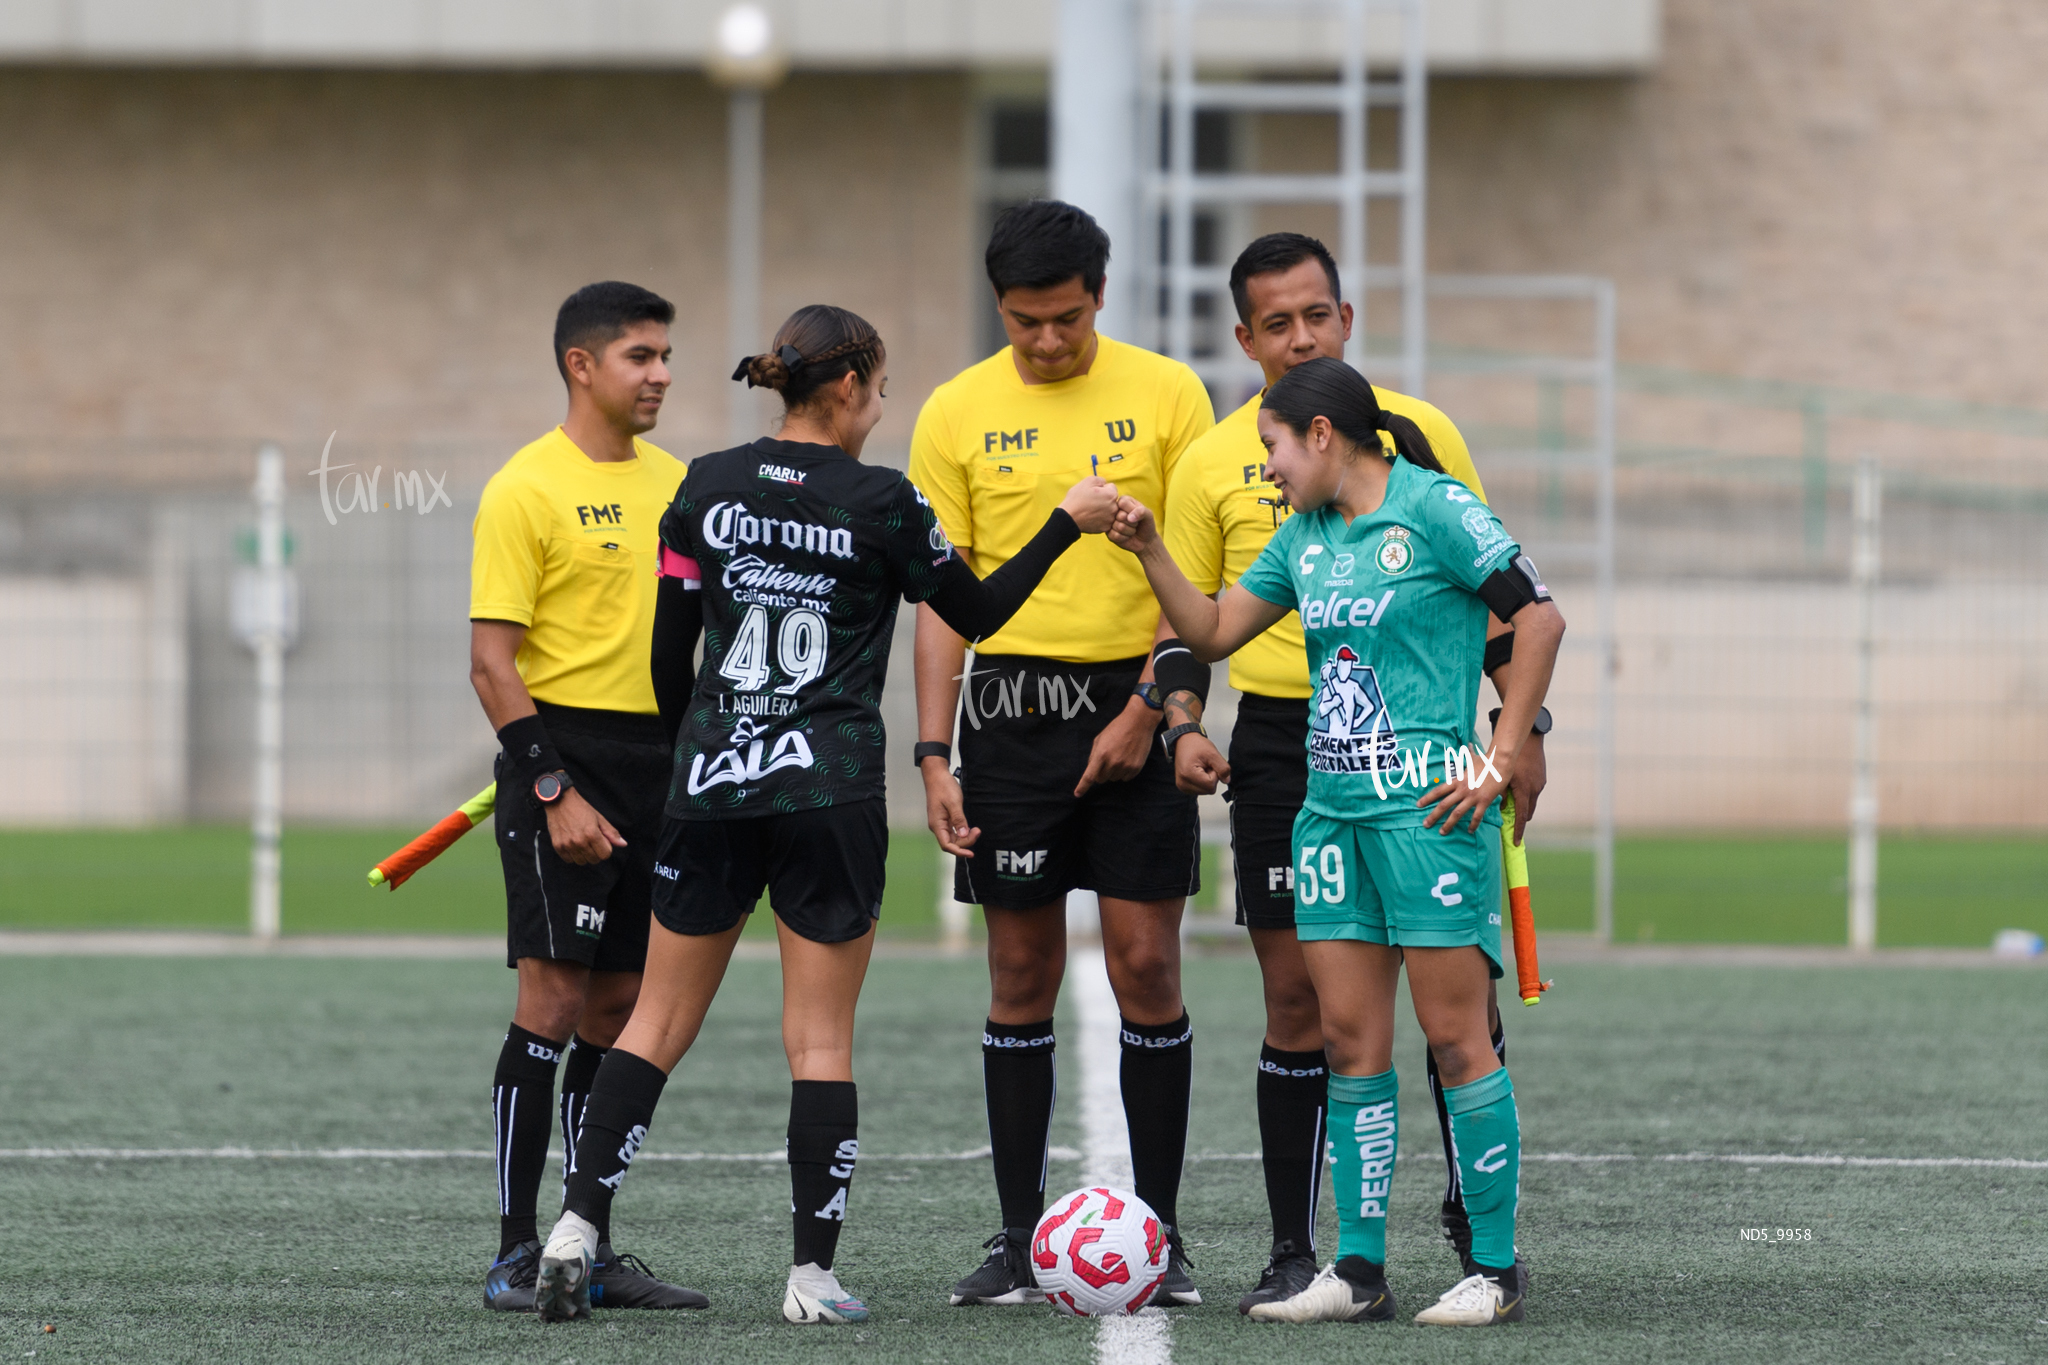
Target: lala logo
[{"x": 748, "y": 759}]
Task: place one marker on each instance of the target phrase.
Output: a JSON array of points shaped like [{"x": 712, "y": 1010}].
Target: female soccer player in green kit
[{"x": 1393, "y": 566}]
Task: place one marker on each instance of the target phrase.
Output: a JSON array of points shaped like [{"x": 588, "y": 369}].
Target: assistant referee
[
  {"x": 562, "y": 595},
  {"x": 1221, "y": 511},
  {"x": 1061, "y": 785}
]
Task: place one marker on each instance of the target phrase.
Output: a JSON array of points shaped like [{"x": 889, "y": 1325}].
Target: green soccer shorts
[{"x": 1412, "y": 888}]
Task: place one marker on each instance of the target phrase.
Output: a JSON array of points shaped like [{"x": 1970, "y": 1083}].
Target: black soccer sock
[
  {"x": 520, "y": 1091},
  {"x": 615, "y": 1122},
  {"x": 1158, "y": 1075},
  {"x": 579, "y": 1069},
  {"x": 1293, "y": 1092},
  {"x": 1020, "y": 1080},
  {"x": 824, "y": 1143},
  {"x": 1452, "y": 1193}
]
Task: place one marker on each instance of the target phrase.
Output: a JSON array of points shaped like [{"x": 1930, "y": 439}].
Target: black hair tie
[{"x": 791, "y": 357}]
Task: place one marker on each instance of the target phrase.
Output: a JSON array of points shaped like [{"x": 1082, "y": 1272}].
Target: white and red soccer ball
[{"x": 1099, "y": 1253}]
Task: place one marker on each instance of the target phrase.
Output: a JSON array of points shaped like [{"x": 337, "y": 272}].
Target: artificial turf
[
  {"x": 224, "y": 1261},
  {"x": 1956, "y": 890}
]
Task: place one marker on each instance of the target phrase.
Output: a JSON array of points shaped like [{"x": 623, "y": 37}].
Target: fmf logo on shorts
[
  {"x": 1277, "y": 877},
  {"x": 1024, "y": 864},
  {"x": 589, "y": 919}
]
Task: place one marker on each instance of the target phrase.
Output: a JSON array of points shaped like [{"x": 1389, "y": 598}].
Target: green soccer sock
[
  {"x": 1488, "y": 1138},
  {"x": 1364, "y": 1123}
]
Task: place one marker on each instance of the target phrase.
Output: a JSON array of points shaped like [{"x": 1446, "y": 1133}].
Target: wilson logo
[{"x": 1120, "y": 432}]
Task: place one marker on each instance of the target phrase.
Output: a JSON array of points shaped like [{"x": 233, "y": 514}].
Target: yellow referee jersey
[
  {"x": 1221, "y": 511},
  {"x": 995, "y": 455},
  {"x": 566, "y": 546}
]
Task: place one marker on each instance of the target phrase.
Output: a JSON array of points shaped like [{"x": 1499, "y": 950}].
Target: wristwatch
[
  {"x": 1149, "y": 693},
  {"x": 1541, "y": 725},
  {"x": 1172, "y": 736},
  {"x": 548, "y": 787},
  {"x": 931, "y": 748}
]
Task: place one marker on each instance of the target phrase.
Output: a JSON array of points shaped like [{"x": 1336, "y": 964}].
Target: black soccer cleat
[
  {"x": 622, "y": 1281},
  {"x": 1176, "y": 1289},
  {"x": 1005, "y": 1277},
  {"x": 1288, "y": 1271},
  {"x": 508, "y": 1287}
]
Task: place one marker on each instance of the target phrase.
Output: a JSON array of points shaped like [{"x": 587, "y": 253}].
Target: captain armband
[
  {"x": 1176, "y": 669},
  {"x": 1507, "y": 591}
]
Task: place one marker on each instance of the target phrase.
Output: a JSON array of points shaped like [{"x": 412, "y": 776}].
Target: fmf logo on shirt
[
  {"x": 601, "y": 514},
  {"x": 994, "y": 442}
]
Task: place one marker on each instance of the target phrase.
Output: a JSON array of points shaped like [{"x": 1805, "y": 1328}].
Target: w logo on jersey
[
  {"x": 1350, "y": 730},
  {"x": 1122, "y": 431}
]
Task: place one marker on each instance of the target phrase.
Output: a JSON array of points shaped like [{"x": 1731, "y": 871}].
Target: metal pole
[
  {"x": 1095, "y": 137},
  {"x": 1603, "y": 777},
  {"x": 1863, "y": 572},
  {"x": 266, "y": 822},
  {"x": 1352, "y": 154},
  {"x": 743, "y": 251},
  {"x": 1414, "y": 201}
]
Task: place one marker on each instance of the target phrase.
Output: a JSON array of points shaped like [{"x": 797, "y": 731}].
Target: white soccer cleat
[
  {"x": 1474, "y": 1301},
  {"x": 561, "y": 1289},
  {"x": 1329, "y": 1297},
  {"x": 814, "y": 1298}
]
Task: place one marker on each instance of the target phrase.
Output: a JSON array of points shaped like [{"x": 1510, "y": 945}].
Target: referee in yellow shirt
[
  {"x": 1221, "y": 511},
  {"x": 561, "y": 607},
  {"x": 1061, "y": 785}
]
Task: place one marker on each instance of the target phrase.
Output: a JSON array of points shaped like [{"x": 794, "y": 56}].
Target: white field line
[
  {"x": 1147, "y": 1337},
  {"x": 2003, "y": 1163}
]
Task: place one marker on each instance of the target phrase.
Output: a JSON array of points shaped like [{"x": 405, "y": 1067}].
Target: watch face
[{"x": 548, "y": 787}]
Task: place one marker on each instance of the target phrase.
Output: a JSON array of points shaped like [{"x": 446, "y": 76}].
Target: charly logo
[
  {"x": 1395, "y": 553},
  {"x": 748, "y": 759},
  {"x": 1308, "y": 560},
  {"x": 728, "y": 525}
]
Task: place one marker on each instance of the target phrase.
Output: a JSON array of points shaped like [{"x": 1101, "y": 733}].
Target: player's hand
[
  {"x": 1118, "y": 754},
  {"x": 1531, "y": 772},
  {"x": 1092, "y": 503},
  {"x": 580, "y": 834},
  {"x": 1198, "y": 766},
  {"x": 1134, "y": 530},
  {"x": 945, "y": 810},
  {"x": 1467, "y": 799}
]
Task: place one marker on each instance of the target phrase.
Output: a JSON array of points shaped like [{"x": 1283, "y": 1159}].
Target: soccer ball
[{"x": 1099, "y": 1253}]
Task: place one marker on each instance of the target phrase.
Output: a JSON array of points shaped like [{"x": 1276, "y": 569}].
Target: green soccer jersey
[{"x": 1396, "y": 635}]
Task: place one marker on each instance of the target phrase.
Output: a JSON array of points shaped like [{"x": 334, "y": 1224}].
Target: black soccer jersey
[{"x": 803, "y": 554}]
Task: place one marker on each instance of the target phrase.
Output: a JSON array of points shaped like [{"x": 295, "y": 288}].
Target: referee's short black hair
[
  {"x": 1043, "y": 243},
  {"x": 1272, "y": 253},
  {"x": 598, "y": 314}
]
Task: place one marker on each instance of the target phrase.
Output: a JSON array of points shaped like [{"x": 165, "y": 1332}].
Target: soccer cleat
[
  {"x": 561, "y": 1289},
  {"x": 1329, "y": 1297},
  {"x": 622, "y": 1281},
  {"x": 1474, "y": 1301},
  {"x": 1005, "y": 1277},
  {"x": 508, "y": 1287},
  {"x": 814, "y": 1298},
  {"x": 1176, "y": 1287},
  {"x": 1288, "y": 1271}
]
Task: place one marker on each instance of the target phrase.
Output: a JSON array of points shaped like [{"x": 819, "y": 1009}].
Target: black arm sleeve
[
  {"x": 1499, "y": 650},
  {"x": 977, "y": 608},
  {"x": 678, "y": 621}
]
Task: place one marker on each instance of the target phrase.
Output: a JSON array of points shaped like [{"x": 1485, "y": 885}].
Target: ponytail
[
  {"x": 818, "y": 346},
  {"x": 1332, "y": 390}
]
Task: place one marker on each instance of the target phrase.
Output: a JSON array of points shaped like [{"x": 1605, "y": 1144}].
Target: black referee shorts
[
  {"x": 594, "y": 913},
  {"x": 1025, "y": 733},
  {"x": 823, "y": 871},
  {"x": 1268, "y": 783}
]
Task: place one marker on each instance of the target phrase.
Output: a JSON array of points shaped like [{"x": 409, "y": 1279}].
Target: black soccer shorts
[
  {"x": 1025, "y": 733},
  {"x": 1268, "y": 783},
  {"x": 823, "y": 870},
  {"x": 594, "y": 913}
]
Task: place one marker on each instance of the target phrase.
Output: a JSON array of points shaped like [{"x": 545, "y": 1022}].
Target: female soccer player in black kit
[{"x": 790, "y": 557}]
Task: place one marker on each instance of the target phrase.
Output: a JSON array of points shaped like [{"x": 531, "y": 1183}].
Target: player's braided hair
[
  {"x": 1332, "y": 389},
  {"x": 818, "y": 346}
]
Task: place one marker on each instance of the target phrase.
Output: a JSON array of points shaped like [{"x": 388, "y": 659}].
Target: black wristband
[
  {"x": 528, "y": 751},
  {"x": 1540, "y": 726},
  {"x": 1176, "y": 669},
  {"x": 931, "y": 748}
]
